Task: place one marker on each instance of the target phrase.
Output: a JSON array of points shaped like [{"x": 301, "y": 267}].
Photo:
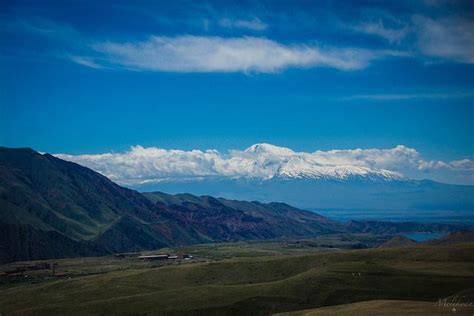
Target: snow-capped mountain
[
  {"x": 263, "y": 161},
  {"x": 335, "y": 179},
  {"x": 299, "y": 168},
  {"x": 281, "y": 162},
  {"x": 353, "y": 178}
]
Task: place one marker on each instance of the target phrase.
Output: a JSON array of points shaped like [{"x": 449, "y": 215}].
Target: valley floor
[{"x": 256, "y": 279}]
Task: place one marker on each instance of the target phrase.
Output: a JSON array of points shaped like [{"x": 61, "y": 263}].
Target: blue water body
[{"x": 418, "y": 236}]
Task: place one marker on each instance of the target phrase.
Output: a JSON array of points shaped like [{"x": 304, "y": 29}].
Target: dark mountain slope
[
  {"x": 20, "y": 242},
  {"x": 53, "y": 208},
  {"x": 230, "y": 220},
  {"x": 72, "y": 209}
]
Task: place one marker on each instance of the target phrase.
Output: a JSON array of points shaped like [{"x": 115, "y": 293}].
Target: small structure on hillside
[
  {"x": 154, "y": 257},
  {"x": 164, "y": 256}
]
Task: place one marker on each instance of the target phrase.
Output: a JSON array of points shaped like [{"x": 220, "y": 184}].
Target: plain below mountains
[{"x": 54, "y": 208}]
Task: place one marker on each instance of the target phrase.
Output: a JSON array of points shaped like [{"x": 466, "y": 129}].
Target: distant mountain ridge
[
  {"x": 398, "y": 241},
  {"x": 354, "y": 192},
  {"x": 54, "y": 208}
]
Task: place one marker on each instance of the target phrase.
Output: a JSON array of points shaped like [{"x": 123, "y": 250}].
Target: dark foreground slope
[
  {"x": 249, "y": 286},
  {"x": 53, "y": 208}
]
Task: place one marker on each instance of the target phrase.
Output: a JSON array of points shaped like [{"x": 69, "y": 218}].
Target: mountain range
[
  {"x": 52, "y": 208},
  {"x": 352, "y": 193},
  {"x": 358, "y": 179},
  {"x": 320, "y": 180}
]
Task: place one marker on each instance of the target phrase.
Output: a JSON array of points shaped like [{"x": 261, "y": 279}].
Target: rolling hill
[{"x": 260, "y": 285}]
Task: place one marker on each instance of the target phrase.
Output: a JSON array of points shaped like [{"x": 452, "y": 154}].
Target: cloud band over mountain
[{"x": 142, "y": 165}]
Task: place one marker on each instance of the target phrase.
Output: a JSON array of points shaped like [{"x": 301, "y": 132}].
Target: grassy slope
[{"x": 265, "y": 284}]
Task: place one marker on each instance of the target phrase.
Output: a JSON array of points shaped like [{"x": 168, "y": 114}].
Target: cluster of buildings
[{"x": 165, "y": 256}]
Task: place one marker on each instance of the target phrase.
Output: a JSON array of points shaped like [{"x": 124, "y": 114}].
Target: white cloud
[
  {"x": 449, "y": 38},
  {"x": 262, "y": 161},
  {"x": 254, "y": 24},
  {"x": 393, "y": 35},
  {"x": 85, "y": 61},
  {"x": 464, "y": 164},
  {"x": 239, "y": 54}
]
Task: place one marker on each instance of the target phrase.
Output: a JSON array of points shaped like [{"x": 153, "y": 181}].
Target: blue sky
[{"x": 83, "y": 77}]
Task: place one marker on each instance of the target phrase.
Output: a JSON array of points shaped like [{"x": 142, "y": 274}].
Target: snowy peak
[
  {"x": 303, "y": 168},
  {"x": 281, "y": 162},
  {"x": 261, "y": 161},
  {"x": 269, "y": 149}
]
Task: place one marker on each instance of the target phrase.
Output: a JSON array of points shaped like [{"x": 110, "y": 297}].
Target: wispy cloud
[
  {"x": 45, "y": 27},
  {"x": 448, "y": 38},
  {"x": 262, "y": 161},
  {"x": 237, "y": 54},
  {"x": 393, "y": 35},
  {"x": 254, "y": 24},
  {"x": 188, "y": 53},
  {"x": 407, "y": 96},
  {"x": 464, "y": 164},
  {"x": 85, "y": 61}
]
